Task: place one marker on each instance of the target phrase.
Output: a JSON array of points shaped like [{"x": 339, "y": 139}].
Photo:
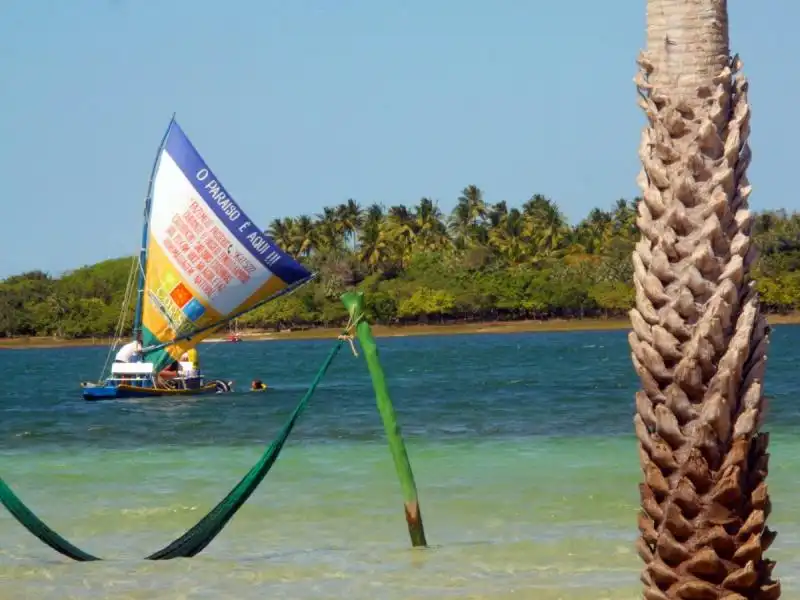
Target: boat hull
[{"x": 118, "y": 392}]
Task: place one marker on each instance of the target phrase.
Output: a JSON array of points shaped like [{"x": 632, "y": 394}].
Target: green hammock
[{"x": 202, "y": 534}]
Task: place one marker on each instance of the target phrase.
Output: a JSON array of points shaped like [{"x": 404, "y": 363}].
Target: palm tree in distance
[
  {"x": 401, "y": 233},
  {"x": 329, "y": 231},
  {"x": 431, "y": 234},
  {"x": 507, "y": 236},
  {"x": 372, "y": 238},
  {"x": 698, "y": 341},
  {"x": 280, "y": 230},
  {"x": 351, "y": 218},
  {"x": 545, "y": 223},
  {"x": 303, "y": 235},
  {"x": 467, "y": 221}
]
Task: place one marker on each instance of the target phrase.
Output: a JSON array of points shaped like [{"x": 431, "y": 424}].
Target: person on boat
[
  {"x": 258, "y": 385},
  {"x": 192, "y": 374},
  {"x": 129, "y": 352},
  {"x": 168, "y": 373},
  {"x": 191, "y": 356}
]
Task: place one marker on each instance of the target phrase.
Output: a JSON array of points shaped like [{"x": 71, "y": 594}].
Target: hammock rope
[{"x": 196, "y": 539}]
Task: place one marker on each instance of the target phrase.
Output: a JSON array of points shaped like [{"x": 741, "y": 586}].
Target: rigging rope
[
  {"x": 126, "y": 300},
  {"x": 201, "y": 535}
]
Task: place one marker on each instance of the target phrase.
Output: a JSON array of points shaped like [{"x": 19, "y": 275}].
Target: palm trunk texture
[{"x": 698, "y": 338}]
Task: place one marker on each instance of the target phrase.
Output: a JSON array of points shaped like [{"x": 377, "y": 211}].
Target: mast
[{"x": 137, "y": 321}]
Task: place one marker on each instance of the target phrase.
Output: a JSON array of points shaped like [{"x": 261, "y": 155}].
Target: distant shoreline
[{"x": 529, "y": 326}]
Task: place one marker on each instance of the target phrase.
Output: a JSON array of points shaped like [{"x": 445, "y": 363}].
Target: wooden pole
[{"x": 354, "y": 302}]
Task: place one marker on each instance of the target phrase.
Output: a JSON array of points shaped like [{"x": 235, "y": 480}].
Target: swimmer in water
[{"x": 258, "y": 385}]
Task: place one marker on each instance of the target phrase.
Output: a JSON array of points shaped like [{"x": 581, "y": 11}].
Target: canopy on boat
[{"x": 205, "y": 260}]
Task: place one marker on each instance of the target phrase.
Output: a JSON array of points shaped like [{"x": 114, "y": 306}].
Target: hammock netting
[{"x": 203, "y": 533}]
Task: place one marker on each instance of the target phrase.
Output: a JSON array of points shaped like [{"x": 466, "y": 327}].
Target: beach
[{"x": 382, "y": 331}]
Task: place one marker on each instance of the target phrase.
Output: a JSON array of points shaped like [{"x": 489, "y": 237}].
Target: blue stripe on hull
[
  {"x": 111, "y": 392},
  {"x": 106, "y": 392}
]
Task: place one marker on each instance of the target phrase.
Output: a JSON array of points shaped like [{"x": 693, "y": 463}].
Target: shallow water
[{"x": 521, "y": 445}]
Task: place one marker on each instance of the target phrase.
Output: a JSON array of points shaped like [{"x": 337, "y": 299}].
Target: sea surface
[{"x": 521, "y": 446}]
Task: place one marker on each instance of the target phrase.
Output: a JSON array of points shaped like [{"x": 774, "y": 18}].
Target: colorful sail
[{"x": 206, "y": 260}]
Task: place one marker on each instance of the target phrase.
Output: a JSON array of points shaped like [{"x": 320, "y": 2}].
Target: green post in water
[{"x": 354, "y": 302}]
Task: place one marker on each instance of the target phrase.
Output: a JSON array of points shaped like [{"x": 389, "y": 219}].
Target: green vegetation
[{"x": 483, "y": 262}]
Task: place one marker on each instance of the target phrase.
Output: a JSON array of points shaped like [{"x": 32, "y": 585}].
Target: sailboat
[{"x": 202, "y": 264}]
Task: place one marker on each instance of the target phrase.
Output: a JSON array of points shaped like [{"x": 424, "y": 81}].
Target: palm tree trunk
[{"x": 698, "y": 341}]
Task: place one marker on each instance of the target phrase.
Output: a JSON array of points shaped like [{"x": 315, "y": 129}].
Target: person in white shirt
[{"x": 128, "y": 351}]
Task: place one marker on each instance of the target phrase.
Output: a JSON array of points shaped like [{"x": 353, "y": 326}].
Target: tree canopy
[{"x": 484, "y": 261}]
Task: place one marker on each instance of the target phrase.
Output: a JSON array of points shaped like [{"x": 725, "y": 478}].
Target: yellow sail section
[{"x": 170, "y": 302}]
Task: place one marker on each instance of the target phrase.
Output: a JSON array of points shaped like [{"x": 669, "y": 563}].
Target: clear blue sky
[{"x": 297, "y": 104}]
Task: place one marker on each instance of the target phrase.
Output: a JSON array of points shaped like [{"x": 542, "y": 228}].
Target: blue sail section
[{"x": 259, "y": 244}]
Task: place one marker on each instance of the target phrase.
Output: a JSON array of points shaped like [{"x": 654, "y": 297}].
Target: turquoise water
[{"x": 521, "y": 445}]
